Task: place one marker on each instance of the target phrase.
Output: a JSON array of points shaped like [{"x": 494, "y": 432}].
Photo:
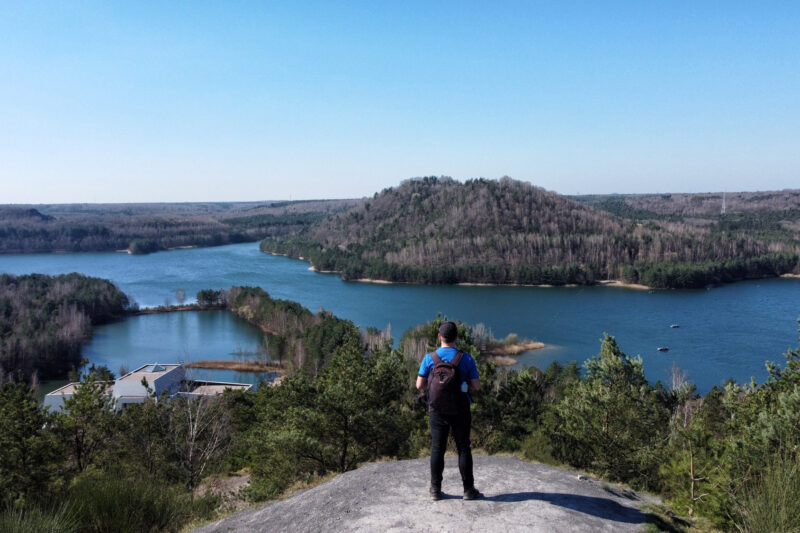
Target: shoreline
[
  {"x": 602, "y": 283},
  {"x": 177, "y": 309},
  {"x": 623, "y": 285},
  {"x": 615, "y": 283}
]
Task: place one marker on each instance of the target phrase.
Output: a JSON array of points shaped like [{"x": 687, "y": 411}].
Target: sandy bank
[
  {"x": 622, "y": 284},
  {"x": 312, "y": 268},
  {"x": 792, "y": 276}
]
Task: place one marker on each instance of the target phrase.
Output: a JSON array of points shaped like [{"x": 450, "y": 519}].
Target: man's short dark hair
[{"x": 448, "y": 331}]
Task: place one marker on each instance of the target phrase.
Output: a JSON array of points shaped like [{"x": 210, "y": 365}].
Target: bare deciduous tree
[{"x": 199, "y": 434}]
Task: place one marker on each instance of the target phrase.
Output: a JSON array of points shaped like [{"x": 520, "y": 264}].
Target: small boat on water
[
  {"x": 674, "y": 326},
  {"x": 663, "y": 348}
]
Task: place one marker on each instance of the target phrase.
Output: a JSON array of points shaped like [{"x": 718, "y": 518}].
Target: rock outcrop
[{"x": 393, "y": 496}]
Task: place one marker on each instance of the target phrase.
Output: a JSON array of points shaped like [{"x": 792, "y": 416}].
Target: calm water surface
[{"x": 724, "y": 332}]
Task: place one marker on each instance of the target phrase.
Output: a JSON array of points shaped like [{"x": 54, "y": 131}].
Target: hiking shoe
[
  {"x": 472, "y": 494},
  {"x": 436, "y": 494}
]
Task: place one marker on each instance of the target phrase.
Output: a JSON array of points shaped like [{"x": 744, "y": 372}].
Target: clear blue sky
[{"x": 199, "y": 101}]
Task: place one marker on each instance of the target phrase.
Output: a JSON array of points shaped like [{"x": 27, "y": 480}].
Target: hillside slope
[
  {"x": 393, "y": 496},
  {"x": 437, "y": 230}
]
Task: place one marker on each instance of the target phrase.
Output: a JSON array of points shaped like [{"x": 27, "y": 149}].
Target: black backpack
[{"x": 444, "y": 386}]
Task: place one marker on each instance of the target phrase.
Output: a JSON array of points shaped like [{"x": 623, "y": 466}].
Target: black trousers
[{"x": 440, "y": 428}]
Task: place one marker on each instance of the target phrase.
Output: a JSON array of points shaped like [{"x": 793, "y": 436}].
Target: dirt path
[{"x": 393, "y": 496}]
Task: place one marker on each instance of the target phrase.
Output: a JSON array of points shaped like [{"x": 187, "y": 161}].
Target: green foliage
[
  {"x": 762, "y": 222},
  {"x": 422, "y": 339},
  {"x": 141, "y": 442},
  {"x": 240, "y": 406},
  {"x": 324, "y": 337},
  {"x": 612, "y": 421},
  {"x": 32, "y": 519},
  {"x": 107, "y": 503},
  {"x": 698, "y": 275},
  {"x": 85, "y": 423},
  {"x": 692, "y": 477},
  {"x": 771, "y": 503},
  {"x": 507, "y": 408},
  {"x": 211, "y": 297},
  {"x": 351, "y": 413},
  {"x": 29, "y": 450},
  {"x": 536, "y": 447}
]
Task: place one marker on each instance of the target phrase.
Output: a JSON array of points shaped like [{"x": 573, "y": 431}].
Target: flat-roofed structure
[
  {"x": 55, "y": 399},
  {"x": 162, "y": 380}
]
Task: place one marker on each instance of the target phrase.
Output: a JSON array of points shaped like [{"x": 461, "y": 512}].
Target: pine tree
[{"x": 29, "y": 449}]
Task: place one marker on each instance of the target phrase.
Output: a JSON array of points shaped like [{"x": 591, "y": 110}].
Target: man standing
[{"x": 449, "y": 410}]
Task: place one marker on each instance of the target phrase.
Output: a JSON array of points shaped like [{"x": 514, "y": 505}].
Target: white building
[{"x": 169, "y": 380}]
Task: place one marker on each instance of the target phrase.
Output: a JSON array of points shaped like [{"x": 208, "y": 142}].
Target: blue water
[
  {"x": 177, "y": 338},
  {"x": 726, "y": 332}
]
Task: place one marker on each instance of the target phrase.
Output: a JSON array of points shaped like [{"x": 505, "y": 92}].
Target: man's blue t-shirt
[{"x": 466, "y": 367}]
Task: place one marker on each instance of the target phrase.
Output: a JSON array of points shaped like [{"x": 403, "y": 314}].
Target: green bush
[
  {"x": 61, "y": 519},
  {"x": 537, "y": 447},
  {"x": 110, "y": 504},
  {"x": 771, "y": 504}
]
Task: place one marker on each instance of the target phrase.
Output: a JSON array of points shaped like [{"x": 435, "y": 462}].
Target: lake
[{"x": 725, "y": 332}]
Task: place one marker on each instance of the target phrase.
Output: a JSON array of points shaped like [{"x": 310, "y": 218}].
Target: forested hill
[
  {"x": 438, "y": 230},
  {"x": 45, "y": 319}
]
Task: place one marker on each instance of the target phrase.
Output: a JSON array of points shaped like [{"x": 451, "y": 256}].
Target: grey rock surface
[{"x": 393, "y": 496}]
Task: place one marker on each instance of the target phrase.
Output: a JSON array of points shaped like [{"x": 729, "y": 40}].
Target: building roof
[{"x": 70, "y": 388}]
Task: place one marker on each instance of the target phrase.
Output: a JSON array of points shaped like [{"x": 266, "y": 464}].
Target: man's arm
[
  {"x": 475, "y": 384},
  {"x": 422, "y": 382}
]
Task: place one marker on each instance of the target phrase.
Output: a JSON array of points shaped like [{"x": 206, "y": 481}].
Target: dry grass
[
  {"x": 241, "y": 366},
  {"x": 501, "y": 360},
  {"x": 514, "y": 348}
]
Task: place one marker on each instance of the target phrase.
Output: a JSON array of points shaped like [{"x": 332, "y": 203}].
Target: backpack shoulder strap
[
  {"x": 436, "y": 359},
  {"x": 457, "y": 358}
]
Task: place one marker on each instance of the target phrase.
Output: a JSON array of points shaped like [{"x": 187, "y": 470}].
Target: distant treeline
[
  {"x": 436, "y": 230},
  {"x": 698, "y": 275},
  {"x": 690, "y": 205},
  {"x": 45, "y": 319},
  {"x": 146, "y": 228}
]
